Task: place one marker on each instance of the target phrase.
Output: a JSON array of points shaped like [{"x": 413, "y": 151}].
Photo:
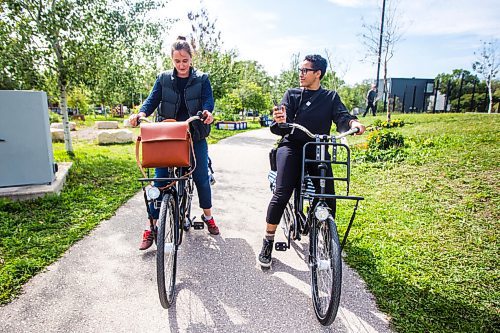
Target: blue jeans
[{"x": 200, "y": 177}]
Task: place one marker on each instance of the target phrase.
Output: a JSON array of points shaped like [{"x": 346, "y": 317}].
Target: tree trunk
[
  {"x": 62, "y": 81},
  {"x": 64, "y": 111},
  {"x": 490, "y": 95},
  {"x": 385, "y": 94}
]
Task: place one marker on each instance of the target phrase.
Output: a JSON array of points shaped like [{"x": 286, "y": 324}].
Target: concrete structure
[
  {"x": 72, "y": 126},
  {"x": 30, "y": 192},
  {"x": 25, "y": 140},
  {"x": 114, "y": 136},
  {"x": 57, "y": 134},
  {"x": 106, "y": 124}
]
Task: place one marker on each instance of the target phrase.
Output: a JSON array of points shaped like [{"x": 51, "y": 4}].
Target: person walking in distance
[{"x": 371, "y": 98}]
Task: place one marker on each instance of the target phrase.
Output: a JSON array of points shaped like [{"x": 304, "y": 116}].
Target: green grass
[
  {"x": 35, "y": 233},
  {"x": 426, "y": 237}
]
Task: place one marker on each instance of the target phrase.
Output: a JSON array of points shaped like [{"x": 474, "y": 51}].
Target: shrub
[
  {"x": 385, "y": 146},
  {"x": 383, "y": 140},
  {"x": 54, "y": 117},
  {"x": 388, "y": 124}
]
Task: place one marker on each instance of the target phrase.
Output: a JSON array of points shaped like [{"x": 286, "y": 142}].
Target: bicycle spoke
[
  {"x": 326, "y": 271},
  {"x": 167, "y": 251}
]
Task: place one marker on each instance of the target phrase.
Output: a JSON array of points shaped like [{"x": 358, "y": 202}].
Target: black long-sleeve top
[{"x": 314, "y": 113}]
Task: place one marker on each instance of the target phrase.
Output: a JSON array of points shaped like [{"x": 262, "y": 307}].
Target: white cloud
[
  {"x": 430, "y": 17},
  {"x": 351, "y": 3}
]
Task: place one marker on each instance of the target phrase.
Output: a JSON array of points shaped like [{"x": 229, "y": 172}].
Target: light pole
[{"x": 380, "y": 43}]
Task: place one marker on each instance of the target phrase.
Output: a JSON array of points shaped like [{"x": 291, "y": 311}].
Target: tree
[
  {"x": 487, "y": 65},
  {"x": 18, "y": 72},
  {"x": 354, "y": 96},
  {"x": 287, "y": 79},
  {"x": 252, "y": 71},
  {"x": 252, "y": 96},
  {"x": 206, "y": 42},
  {"x": 230, "y": 105},
  {"x": 391, "y": 35},
  {"x": 74, "y": 39},
  {"x": 453, "y": 81}
]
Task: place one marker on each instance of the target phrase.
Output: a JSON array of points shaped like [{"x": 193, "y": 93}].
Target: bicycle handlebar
[
  {"x": 306, "y": 131},
  {"x": 199, "y": 116}
]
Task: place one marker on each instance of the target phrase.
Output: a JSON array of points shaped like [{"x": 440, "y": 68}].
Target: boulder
[
  {"x": 115, "y": 136},
  {"x": 106, "y": 124},
  {"x": 126, "y": 123},
  {"x": 72, "y": 126},
  {"x": 57, "y": 134}
]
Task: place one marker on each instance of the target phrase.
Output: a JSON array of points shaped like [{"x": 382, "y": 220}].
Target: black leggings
[{"x": 289, "y": 163}]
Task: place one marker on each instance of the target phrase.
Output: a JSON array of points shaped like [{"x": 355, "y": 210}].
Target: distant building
[{"x": 409, "y": 94}]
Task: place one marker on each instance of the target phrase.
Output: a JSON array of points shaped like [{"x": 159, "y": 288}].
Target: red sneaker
[
  {"x": 147, "y": 240},
  {"x": 212, "y": 228}
]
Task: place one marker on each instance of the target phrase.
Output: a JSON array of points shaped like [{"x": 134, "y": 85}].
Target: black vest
[{"x": 170, "y": 100}]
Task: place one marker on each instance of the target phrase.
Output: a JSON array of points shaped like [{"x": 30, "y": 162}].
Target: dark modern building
[{"x": 407, "y": 95}]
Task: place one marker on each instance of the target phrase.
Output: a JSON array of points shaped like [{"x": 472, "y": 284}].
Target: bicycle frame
[
  {"x": 321, "y": 144},
  {"x": 179, "y": 192}
]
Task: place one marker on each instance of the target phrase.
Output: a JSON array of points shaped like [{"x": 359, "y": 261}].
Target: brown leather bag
[{"x": 165, "y": 144}]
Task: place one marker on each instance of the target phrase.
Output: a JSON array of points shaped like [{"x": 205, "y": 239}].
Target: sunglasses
[{"x": 304, "y": 71}]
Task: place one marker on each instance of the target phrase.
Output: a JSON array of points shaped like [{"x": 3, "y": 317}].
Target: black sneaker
[{"x": 265, "y": 253}]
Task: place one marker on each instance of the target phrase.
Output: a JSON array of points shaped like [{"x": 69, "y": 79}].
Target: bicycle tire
[
  {"x": 166, "y": 253},
  {"x": 326, "y": 270},
  {"x": 187, "y": 200},
  {"x": 286, "y": 220}
]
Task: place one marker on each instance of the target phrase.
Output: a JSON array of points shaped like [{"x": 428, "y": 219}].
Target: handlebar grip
[
  {"x": 200, "y": 115},
  {"x": 284, "y": 125},
  {"x": 354, "y": 130}
]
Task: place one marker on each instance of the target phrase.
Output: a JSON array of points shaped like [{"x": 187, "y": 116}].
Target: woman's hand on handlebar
[
  {"x": 134, "y": 118},
  {"x": 279, "y": 114},
  {"x": 356, "y": 124},
  {"x": 207, "y": 117}
]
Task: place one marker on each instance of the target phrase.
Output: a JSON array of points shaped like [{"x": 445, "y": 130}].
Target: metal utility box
[{"x": 26, "y": 156}]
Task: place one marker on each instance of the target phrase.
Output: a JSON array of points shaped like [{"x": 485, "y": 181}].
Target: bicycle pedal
[
  {"x": 280, "y": 246},
  {"x": 198, "y": 225}
]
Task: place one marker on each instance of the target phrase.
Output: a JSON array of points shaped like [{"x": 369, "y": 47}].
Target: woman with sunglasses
[{"x": 314, "y": 108}]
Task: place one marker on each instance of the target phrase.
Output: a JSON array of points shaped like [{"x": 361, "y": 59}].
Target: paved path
[{"x": 104, "y": 284}]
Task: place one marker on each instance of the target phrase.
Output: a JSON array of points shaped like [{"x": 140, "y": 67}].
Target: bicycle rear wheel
[
  {"x": 166, "y": 253},
  {"x": 326, "y": 270},
  {"x": 288, "y": 222}
]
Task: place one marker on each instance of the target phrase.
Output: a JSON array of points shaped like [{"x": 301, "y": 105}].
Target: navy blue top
[
  {"x": 314, "y": 113},
  {"x": 154, "y": 98}
]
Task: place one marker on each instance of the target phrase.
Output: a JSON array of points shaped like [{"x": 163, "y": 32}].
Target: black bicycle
[
  {"x": 308, "y": 213},
  {"x": 174, "y": 200}
]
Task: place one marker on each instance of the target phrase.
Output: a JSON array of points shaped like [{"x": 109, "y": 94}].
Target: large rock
[
  {"x": 126, "y": 123},
  {"x": 114, "y": 136},
  {"x": 72, "y": 126},
  {"x": 106, "y": 124},
  {"x": 57, "y": 134}
]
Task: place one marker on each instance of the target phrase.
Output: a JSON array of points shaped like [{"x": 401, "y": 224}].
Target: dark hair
[
  {"x": 319, "y": 63},
  {"x": 181, "y": 44}
]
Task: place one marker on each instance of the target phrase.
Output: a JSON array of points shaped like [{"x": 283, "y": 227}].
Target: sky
[{"x": 437, "y": 35}]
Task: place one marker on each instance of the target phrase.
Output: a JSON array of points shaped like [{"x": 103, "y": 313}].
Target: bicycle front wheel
[
  {"x": 166, "y": 253},
  {"x": 326, "y": 270}
]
